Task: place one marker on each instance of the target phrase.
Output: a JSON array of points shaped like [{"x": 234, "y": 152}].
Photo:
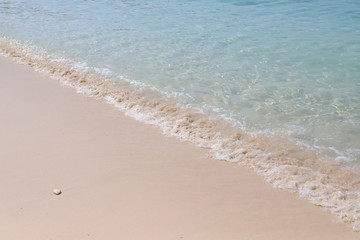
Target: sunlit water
[{"x": 274, "y": 66}]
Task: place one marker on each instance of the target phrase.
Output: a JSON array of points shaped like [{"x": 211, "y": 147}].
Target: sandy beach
[{"x": 122, "y": 179}]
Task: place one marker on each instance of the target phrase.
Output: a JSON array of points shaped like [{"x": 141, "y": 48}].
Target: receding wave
[{"x": 283, "y": 163}]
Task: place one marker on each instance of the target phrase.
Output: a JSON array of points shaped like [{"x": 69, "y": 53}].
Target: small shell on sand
[{"x": 57, "y": 191}]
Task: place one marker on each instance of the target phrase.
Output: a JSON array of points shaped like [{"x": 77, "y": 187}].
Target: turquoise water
[
  {"x": 285, "y": 74},
  {"x": 289, "y": 67}
]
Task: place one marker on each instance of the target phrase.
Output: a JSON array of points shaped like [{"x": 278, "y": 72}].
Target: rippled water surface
[{"x": 290, "y": 67}]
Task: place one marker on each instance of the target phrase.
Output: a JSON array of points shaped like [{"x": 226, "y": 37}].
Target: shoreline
[
  {"x": 120, "y": 177},
  {"x": 280, "y": 161}
]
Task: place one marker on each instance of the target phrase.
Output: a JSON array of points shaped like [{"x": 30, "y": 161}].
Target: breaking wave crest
[{"x": 283, "y": 163}]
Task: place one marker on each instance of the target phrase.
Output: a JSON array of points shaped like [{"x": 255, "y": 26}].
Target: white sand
[{"x": 121, "y": 179}]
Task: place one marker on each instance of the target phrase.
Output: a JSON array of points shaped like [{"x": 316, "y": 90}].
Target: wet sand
[{"x": 122, "y": 179}]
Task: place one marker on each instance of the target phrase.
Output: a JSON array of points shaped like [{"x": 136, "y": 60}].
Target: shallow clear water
[{"x": 289, "y": 67}]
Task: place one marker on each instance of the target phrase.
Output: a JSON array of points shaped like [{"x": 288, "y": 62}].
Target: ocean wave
[{"x": 286, "y": 164}]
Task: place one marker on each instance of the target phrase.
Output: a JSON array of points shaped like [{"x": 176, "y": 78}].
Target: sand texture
[{"x": 122, "y": 179}]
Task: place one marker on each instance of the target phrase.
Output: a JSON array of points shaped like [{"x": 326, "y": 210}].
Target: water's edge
[{"x": 284, "y": 164}]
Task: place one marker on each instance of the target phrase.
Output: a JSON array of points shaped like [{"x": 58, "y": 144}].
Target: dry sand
[{"x": 122, "y": 179}]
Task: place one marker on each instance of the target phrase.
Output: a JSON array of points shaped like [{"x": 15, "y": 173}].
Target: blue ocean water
[
  {"x": 289, "y": 66},
  {"x": 269, "y": 68}
]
